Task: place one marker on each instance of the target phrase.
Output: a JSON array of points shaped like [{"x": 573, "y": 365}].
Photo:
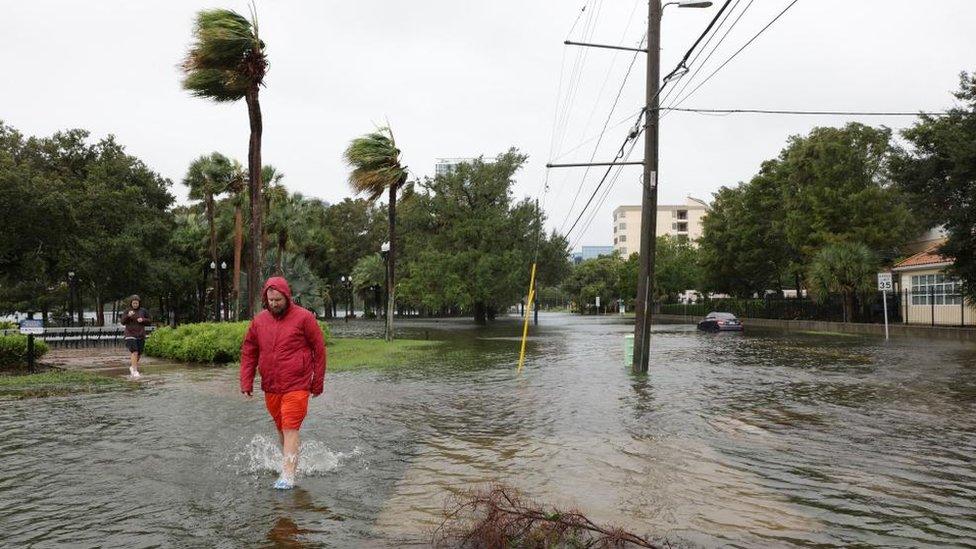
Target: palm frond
[
  {"x": 225, "y": 58},
  {"x": 376, "y": 163}
]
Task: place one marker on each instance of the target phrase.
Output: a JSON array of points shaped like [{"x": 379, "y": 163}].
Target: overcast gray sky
[{"x": 459, "y": 78}]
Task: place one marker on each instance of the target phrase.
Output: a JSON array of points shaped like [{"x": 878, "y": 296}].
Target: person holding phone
[{"x": 135, "y": 320}]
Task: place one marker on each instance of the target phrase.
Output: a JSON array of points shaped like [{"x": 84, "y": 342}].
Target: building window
[
  {"x": 682, "y": 214},
  {"x": 623, "y": 226},
  {"x": 615, "y": 241},
  {"x": 680, "y": 227},
  {"x": 623, "y": 252},
  {"x": 614, "y": 216},
  {"x": 936, "y": 289},
  {"x": 623, "y": 238}
]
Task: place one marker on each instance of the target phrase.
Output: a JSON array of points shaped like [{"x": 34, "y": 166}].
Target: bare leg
[
  {"x": 134, "y": 364},
  {"x": 289, "y": 447}
]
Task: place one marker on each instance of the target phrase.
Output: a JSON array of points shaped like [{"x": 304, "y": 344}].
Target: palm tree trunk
[
  {"x": 390, "y": 265},
  {"x": 279, "y": 269},
  {"x": 238, "y": 245},
  {"x": 254, "y": 186},
  {"x": 99, "y": 309}
]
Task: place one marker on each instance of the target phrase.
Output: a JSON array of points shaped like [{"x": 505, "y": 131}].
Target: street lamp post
[
  {"x": 223, "y": 290},
  {"x": 387, "y": 306},
  {"x": 71, "y": 297},
  {"x": 216, "y": 284},
  {"x": 347, "y": 284}
]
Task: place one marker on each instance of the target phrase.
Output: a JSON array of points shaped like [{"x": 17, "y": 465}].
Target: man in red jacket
[{"x": 285, "y": 343}]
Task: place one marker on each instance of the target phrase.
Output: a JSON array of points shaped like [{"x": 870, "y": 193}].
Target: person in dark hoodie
[
  {"x": 135, "y": 320},
  {"x": 284, "y": 343}
]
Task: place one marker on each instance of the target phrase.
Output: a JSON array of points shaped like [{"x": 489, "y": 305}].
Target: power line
[
  {"x": 637, "y": 130},
  {"x": 798, "y": 112},
  {"x": 590, "y": 139},
  {"x": 744, "y": 46},
  {"x": 699, "y": 39},
  {"x": 600, "y": 138},
  {"x": 711, "y": 52},
  {"x": 576, "y": 74},
  {"x": 620, "y": 153},
  {"x": 603, "y": 198}
]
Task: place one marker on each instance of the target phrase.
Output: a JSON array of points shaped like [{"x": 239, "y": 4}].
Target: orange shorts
[{"x": 287, "y": 409}]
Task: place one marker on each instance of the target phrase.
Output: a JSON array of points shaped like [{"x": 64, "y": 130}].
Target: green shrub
[
  {"x": 7, "y": 325},
  {"x": 13, "y": 350},
  {"x": 203, "y": 342}
]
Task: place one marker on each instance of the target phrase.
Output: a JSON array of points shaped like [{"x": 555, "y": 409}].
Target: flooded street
[{"x": 758, "y": 439}]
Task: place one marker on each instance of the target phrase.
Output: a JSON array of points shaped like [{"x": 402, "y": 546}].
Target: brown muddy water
[{"x": 761, "y": 439}]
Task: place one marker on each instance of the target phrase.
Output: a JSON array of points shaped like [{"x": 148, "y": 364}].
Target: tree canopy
[{"x": 939, "y": 171}]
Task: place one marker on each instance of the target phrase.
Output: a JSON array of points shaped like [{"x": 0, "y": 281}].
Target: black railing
[
  {"x": 85, "y": 336},
  {"x": 908, "y": 306}
]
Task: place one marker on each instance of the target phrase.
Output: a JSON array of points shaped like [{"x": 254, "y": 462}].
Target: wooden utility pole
[{"x": 645, "y": 282}]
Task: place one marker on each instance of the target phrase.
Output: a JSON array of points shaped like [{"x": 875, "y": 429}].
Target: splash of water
[{"x": 262, "y": 454}]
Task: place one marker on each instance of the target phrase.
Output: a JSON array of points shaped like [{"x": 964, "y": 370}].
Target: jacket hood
[{"x": 276, "y": 283}]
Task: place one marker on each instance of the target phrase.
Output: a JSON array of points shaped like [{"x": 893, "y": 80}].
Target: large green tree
[
  {"x": 226, "y": 62},
  {"x": 472, "y": 244},
  {"x": 596, "y": 278},
  {"x": 830, "y": 186},
  {"x": 677, "y": 267},
  {"x": 744, "y": 249},
  {"x": 939, "y": 172},
  {"x": 838, "y": 189},
  {"x": 81, "y": 207}
]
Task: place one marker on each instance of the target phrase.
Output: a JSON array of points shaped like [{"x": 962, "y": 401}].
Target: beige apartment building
[{"x": 682, "y": 221}]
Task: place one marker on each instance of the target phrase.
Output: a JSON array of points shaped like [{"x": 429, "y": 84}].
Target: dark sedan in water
[{"x": 720, "y": 322}]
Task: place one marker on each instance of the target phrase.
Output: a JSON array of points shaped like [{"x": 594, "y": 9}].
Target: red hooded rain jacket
[{"x": 288, "y": 350}]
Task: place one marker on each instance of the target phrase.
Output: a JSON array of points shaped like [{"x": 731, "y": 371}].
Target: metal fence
[
  {"x": 912, "y": 307},
  {"x": 77, "y": 337}
]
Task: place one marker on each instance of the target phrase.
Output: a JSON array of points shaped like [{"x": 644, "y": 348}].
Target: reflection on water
[{"x": 755, "y": 439}]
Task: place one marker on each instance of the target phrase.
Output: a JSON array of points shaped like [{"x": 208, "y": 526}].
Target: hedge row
[
  {"x": 13, "y": 350},
  {"x": 203, "y": 342}
]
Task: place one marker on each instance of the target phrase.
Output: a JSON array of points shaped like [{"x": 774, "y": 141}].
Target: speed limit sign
[
  {"x": 884, "y": 282},
  {"x": 884, "y": 286}
]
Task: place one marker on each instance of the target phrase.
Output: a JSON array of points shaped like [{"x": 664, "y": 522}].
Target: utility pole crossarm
[{"x": 585, "y": 44}]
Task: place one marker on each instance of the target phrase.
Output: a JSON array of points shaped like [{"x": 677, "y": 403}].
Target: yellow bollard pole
[{"x": 528, "y": 313}]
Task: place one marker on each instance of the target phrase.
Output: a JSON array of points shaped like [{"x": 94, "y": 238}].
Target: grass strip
[{"x": 58, "y": 383}]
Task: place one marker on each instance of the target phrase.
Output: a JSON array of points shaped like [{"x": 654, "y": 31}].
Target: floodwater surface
[{"x": 758, "y": 439}]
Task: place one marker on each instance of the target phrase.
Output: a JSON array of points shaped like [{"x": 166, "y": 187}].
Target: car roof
[{"x": 716, "y": 314}]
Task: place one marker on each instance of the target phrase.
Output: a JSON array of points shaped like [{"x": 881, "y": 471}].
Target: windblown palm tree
[
  {"x": 375, "y": 160},
  {"x": 226, "y": 62},
  {"x": 207, "y": 177}
]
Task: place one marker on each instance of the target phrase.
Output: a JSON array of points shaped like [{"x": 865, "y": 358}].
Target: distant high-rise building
[
  {"x": 682, "y": 221},
  {"x": 443, "y": 166},
  {"x": 593, "y": 252}
]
